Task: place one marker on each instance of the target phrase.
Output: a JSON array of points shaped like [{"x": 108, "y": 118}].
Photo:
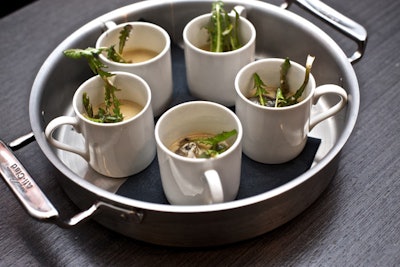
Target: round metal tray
[{"x": 269, "y": 196}]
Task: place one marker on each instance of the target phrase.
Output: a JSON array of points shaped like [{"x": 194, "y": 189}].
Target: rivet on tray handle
[
  {"x": 342, "y": 23},
  {"x": 36, "y": 203}
]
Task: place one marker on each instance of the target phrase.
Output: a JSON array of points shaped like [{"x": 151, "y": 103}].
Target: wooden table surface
[{"x": 355, "y": 222}]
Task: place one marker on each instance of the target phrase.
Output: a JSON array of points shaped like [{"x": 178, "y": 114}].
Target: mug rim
[
  {"x": 249, "y": 43},
  {"x": 274, "y": 60},
  {"x": 136, "y": 23},
  {"x": 113, "y": 124},
  {"x": 172, "y": 154}
]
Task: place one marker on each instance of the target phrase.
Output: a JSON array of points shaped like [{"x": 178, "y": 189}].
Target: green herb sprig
[
  {"x": 294, "y": 98},
  {"x": 215, "y": 143},
  {"x": 123, "y": 37},
  {"x": 112, "y": 112},
  {"x": 224, "y": 35},
  {"x": 260, "y": 89},
  {"x": 115, "y": 56},
  {"x": 282, "y": 97}
]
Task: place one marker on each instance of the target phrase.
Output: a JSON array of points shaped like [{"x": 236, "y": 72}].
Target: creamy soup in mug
[
  {"x": 138, "y": 55},
  {"x": 128, "y": 108},
  {"x": 196, "y": 146}
]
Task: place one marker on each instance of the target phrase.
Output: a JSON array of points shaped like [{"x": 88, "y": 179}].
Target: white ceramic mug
[
  {"x": 196, "y": 181},
  {"x": 113, "y": 149},
  {"x": 278, "y": 134},
  {"x": 157, "y": 71},
  {"x": 211, "y": 75}
]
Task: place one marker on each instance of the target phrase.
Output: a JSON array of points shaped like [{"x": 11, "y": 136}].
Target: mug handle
[
  {"x": 328, "y": 89},
  {"x": 57, "y": 122},
  {"x": 215, "y": 186},
  {"x": 210, "y": 178}
]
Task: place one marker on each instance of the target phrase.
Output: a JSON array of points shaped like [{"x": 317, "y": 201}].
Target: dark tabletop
[{"x": 355, "y": 222}]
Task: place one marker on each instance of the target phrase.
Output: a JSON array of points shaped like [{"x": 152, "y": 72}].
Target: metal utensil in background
[{"x": 345, "y": 25}]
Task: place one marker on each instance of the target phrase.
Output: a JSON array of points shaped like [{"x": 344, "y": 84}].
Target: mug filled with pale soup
[
  {"x": 216, "y": 46},
  {"x": 275, "y": 99},
  {"x": 116, "y": 144},
  {"x": 199, "y": 150},
  {"x": 144, "y": 49}
]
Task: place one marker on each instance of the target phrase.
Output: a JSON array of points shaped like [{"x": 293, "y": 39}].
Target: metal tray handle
[
  {"x": 343, "y": 24},
  {"x": 34, "y": 200}
]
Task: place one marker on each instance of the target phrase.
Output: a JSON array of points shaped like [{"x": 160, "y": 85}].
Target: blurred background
[{"x": 12, "y": 6}]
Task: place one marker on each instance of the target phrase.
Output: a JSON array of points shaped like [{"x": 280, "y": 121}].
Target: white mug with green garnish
[
  {"x": 113, "y": 146},
  {"x": 274, "y": 102},
  {"x": 144, "y": 49},
  {"x": 215, "y": 51},
  {"x": 199, "y": 150}
]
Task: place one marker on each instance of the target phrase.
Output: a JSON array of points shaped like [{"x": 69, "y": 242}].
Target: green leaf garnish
[
  {"x": 86, "y": 104},
  {"x": 280, "y": 99},
  {"x": 285, "y": 66},
  {"x": 260, "y": 89},
  {"x": 112, "y": 112},
  {"x": 215, "y": 143},
  {"x": 222, "y": 32},
  {"x": 123, "y": 37},
  {"x": 114, "y": 56},
  {"x": 282, "y": 96},
  {"x": 294, "y": 98}
]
